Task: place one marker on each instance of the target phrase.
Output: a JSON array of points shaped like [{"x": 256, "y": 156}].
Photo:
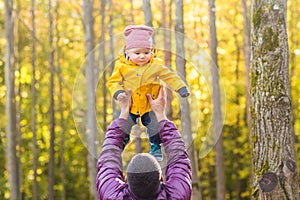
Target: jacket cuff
[
  {"x": 117, "y": 93},
  {"x": 162, "y": 123},
  {"x": 183, "y": 92},
  {"x": 122, "y": 124}
]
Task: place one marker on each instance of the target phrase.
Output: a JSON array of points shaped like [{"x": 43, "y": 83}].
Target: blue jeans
[{"x": 150, "y": 121}]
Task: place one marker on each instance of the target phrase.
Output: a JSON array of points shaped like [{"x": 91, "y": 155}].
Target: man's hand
[
  {"x": 124, "y": 100},
  {"x": 158, "y": 105}
]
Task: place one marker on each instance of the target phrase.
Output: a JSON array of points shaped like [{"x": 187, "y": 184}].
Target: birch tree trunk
[
  {"x": 167, "y": 53},
  {"x": 246, "y": 27},
  {"x": 51, "y": 175},
  {"x": 274, "y": 172},
  {"x": 147, "y": 13},
  {"x": 91, "y": 123},
  {"x": 184, "y": 104},
  {"x": 19, "y": 100},
  {"x": 103, "y": 59},
  {"x": 10, "y": 106},
  {"x": 130, "y": 14},
  {"x": 237, "y": 127},
  {"x": 217, "y": 113},
  {"x": 33, "y": 102}
]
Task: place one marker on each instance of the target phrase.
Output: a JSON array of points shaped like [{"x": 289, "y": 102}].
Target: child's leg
[
  {"x": 131, "y": 122},
  {"x": 150, "y": 121}
]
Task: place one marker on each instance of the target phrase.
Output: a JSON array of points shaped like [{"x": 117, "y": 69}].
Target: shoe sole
[{"x": 159, "y": 159}]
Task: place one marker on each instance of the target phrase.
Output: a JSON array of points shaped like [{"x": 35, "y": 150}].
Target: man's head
[{"x": 143, "y": 175}]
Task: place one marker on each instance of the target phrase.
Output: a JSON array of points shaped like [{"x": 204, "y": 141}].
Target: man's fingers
[
  {"x": 161, "y": 93},
  {"x": 129, "y": 92},
  {"x": 149, "y": 98}
]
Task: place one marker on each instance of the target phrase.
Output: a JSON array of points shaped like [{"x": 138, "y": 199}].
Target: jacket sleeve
[
  {"x": 171, "y": 78},
  {"x": 114, "y": 83},
  {"x": 110, "y": 181},
  {"x": 178, "y": 183}
]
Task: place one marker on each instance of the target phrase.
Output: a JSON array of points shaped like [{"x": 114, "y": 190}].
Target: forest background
[{"x": 51, "y": 148}]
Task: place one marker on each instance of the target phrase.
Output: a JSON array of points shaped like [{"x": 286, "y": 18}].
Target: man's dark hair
[{"x": 143, "y": 175}]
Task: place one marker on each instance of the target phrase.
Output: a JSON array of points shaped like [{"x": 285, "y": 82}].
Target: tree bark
[
  {"x": 184, "y": 104},
  {"x": 167, "y": 53},
  {"x": 130, "y": 14},
  {"x": 33, "y": 102},
  {"x": 51, "y": 175},
  {"x": 11, "y": 128},
  {"x": 19, "y": 100},
  {"x": 147, "y": 13},
  {"x": 274, "y": 172},
  {"x": 217, "y": 113},
  {"x": 137, "y": 131},
  {"x": 246, "y": 27},
  {"x": 103, "y": 59},
  {"x": 237, "y": 129},
  {"x": 91, "y": 123}
]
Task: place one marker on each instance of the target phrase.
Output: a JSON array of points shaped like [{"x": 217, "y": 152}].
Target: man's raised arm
[{"x": 178, "y": 183}]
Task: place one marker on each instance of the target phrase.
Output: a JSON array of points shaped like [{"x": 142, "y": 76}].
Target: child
[{"x": 139, "y": 71}]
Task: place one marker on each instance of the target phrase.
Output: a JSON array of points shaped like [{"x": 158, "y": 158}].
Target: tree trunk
[
  {"x": 51, "y": 175},
  {"x": 91, "y": 123},
  {"x": 237, "y": 129},
  {"x": 103, "y": 59},
  {"x": 246, "y": 27},
  {"x": 217, "y": 114},
  {"x": 19, "y": 100},
  {"x": 274, "y": 169},
  {"x": 11, "y": 128},
  {"x": 138, "y": 140},
  {"x": 147, "y": 13},
  {"x": 167, "y": 54},
  {"x": 33, "y": 102},
  {"x": 184, "y": 104},
  {"x": 130, "y": 14}
]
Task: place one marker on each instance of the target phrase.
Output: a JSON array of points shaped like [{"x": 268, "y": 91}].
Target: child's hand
[{"x": 124, "y": 100}]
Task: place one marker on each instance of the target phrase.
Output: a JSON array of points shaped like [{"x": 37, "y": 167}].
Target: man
[{"x": 144, "y": 179}]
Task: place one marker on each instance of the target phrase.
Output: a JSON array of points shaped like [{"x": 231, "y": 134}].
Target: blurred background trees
[{"x": 49, "y": 128}]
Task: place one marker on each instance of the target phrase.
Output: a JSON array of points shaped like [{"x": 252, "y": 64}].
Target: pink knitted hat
[{"x": 138, "y": 36}]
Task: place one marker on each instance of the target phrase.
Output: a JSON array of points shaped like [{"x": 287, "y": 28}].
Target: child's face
[{"x": 139, "y": 56}]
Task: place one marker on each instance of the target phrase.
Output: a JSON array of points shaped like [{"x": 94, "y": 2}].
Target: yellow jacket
[{"x": 141, "y": 80}]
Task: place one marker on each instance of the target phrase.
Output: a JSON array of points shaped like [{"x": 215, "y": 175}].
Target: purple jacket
[{"x": 110, "y": 181}]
